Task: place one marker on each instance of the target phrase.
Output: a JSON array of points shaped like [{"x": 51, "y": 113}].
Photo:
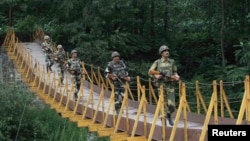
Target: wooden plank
[
  {"x": 75, "y": 118},
  {"x": 105, "y": 132},
  {"x": 94, "y": 127},
  {"x": 67, "y": 114},
  {"x": 138, "y": 138},
  {"x": 119, "y": 136},
  {"x": 84, "y": 122}
]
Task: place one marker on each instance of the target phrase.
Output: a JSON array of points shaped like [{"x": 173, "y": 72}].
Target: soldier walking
[
  {"x": 60, "y": 59},
  {"x": 75, "y": 68},
  {"x": 164, "y": 71},
  {"x": 46, "y": 43},
  {"x": 117, "y": 72},
  {"x": 48, "y": 58}
]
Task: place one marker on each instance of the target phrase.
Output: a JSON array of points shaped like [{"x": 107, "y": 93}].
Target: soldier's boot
[
  {"x": 117, "y": 108},
  {"x": 170, "y": 120},
  {"x": 61, "y": 79},
  {"x": 75, "y": 96},
  {"x": 50, "y": 69}
]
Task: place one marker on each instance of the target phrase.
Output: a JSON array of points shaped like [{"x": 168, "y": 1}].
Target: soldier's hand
[
  {"x": 83, "y": 72},
  {"x": 112, "y": 76},
  {"x": 72, "y": 71},
  {"x": 158, "y": 76},
  {"x": 127, "y": 78},
  {"x": 175, "y": 77}
]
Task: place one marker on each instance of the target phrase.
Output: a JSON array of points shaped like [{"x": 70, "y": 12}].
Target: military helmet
[
  {"x": 59, "y": 46},
  {"x": 115, "y": 54},
  {"x": 46, "y": 37},
  {"x": 163, "y": 48},
  {"x": 73, "y": 51}
]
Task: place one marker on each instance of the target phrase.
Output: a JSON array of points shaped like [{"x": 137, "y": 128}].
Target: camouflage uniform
[
  {"x": 76, "y": 66},
  {"x": 166, "y": 68},
  {"x": 49, "y": 59},
  {"x": 46, "y": 43},
  {"x": 60, "y": 58},
  {"x": 119, "y": 70}
]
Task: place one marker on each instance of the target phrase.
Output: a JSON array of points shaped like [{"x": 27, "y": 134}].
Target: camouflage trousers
[
  {"x": 77, "y": 83},
  {"x": 119, "y": 94},
  {"x": 49, "y": 63},
  {"x": 169, "y": 98},
  {"x": 60, "y": 71}
]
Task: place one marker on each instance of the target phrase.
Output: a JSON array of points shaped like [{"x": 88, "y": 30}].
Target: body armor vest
[
  {"x": 166, "y": 68},
  {"x": 75, "y": 64},
  {"x": 118, "y": 69},
  {"x": 47, "y": 44},
  {"x": 60, "y": 56}
]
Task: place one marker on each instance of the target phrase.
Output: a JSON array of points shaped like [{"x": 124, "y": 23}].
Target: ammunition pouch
[{"x": 155, "y": 82}]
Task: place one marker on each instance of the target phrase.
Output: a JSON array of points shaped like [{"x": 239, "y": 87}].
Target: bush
[{"x": 24, "y": 117}]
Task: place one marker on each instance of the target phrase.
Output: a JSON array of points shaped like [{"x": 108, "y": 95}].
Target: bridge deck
[{"x": 194, "y": 125}]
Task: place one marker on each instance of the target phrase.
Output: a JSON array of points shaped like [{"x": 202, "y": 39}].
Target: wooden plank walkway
[
  {"x": 34, "y": 49},
  {"x": 88, "y": 113},
  {"x": 94, "y": 108}
]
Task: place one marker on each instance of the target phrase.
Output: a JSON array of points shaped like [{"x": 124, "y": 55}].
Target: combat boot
[
  {"x": 170, "y": 120},
  {"x": 61, "y": 81},
  {"x": 47, "y": 68},
  {"x": 117, "y": 109},
  {"x": 50, "y": 69},
  {"x": 75, "y": 96}
]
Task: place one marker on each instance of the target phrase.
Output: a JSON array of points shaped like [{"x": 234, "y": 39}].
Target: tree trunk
[
  {"x": 152, "y": 18},
  {"x": 165, "y": 17},
  {"x": 10, "y": 13},
  {"x": 222, "y": 32}
]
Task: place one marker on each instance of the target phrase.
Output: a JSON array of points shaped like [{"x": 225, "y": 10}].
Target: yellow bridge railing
[{"x": 85, "y": 112}]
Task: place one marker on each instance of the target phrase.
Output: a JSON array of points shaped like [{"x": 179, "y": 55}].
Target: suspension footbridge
[{"x": 140, "y": 115}]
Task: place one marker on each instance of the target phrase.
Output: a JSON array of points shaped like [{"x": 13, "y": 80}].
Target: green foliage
[
  {"x": 229, "y": 73},
  {"x": 24, "y": 117},
  {"x": 243, "y": 53},
  {"x": 26, "y": 25},
  {"x": 202, "y": 48}
]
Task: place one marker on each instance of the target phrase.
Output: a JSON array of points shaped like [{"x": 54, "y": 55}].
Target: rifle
[
  {"x": 58, "y": 59},
  {"x": 172, "y": 77},
  {"x": 119, "y": 79}
]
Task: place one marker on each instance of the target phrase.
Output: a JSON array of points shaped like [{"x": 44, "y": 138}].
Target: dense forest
[{"x": 208, "y": 39}]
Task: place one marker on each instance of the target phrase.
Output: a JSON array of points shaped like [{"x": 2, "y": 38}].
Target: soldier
[
  {"x": 164, "y": 71},
  {"x": 48, "y": 58},
  {"x": 117, "y": 73},
  {"x": 74, "y": 67},
  {"x": 46, "y": 43},
  {"x": 60, "y": 57}
]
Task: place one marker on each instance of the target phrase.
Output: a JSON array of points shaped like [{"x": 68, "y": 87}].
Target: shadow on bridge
[{"x": 139, "y": 118}]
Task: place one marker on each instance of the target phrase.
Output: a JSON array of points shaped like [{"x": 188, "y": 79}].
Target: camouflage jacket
[
  {"x": 47, "y": 44},
  {"x": 60, "y": 56},
  {"x": 166, "y": 67},
  {"x": 119, "y": 69},
  {"x": 74, "y": 65}
]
